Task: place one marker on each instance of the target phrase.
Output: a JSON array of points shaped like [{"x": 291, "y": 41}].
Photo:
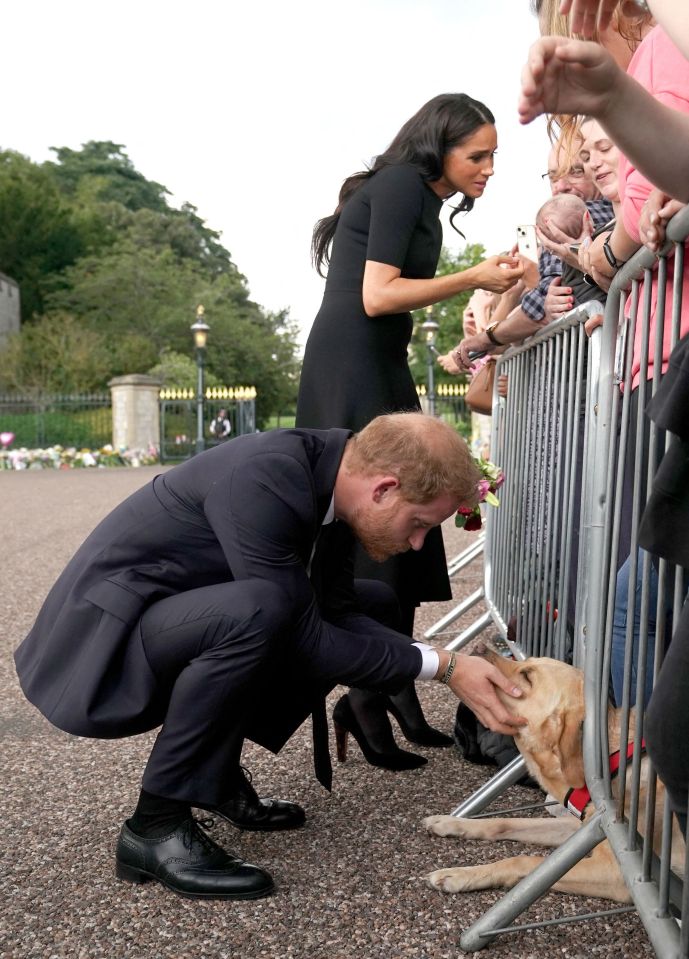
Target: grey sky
[{"x": 256, "y": 112}]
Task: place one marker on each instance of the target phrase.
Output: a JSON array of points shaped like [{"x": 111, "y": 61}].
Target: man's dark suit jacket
[{"x": 250, "y": 508}]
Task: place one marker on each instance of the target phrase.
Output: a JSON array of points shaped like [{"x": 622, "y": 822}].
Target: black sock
[{"x": 156, "y": 816}]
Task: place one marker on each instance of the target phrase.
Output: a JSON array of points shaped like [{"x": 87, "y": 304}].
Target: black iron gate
[{"x": 178, "y": 420}]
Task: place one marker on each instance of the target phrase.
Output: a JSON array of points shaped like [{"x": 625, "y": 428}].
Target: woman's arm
[
  {"x": 386, "y": 291},
  {"x": 594, "y": 261}
]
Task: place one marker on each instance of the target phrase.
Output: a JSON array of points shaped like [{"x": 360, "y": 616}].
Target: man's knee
[
  {"x": 262, "y": 603},
  {"x": 379, "y": 601}
]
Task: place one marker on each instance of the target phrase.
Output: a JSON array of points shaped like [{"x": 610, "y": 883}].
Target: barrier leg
[
  {"x": 471, "y": 632},
  {"x": 532, "y": 887},
  {"x": 485, "y": 794},
  {"x": 455, "y": 613}
]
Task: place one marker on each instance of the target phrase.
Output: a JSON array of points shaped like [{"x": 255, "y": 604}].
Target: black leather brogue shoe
[
  {"x": 246, "y": 810},
  {"x": 189, "y": 863}
]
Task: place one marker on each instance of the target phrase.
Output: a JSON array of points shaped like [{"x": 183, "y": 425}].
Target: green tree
[
  {"x": 108, "y": 167},
  {"x": 55, "y": 355},
  {"x": 97, "y": 249},
  {"x": 113, "y": 199},
  {"x": 180, "y": 371},
  {"x": 447, "y": 314},
  {"x": 38, "y": 234}
]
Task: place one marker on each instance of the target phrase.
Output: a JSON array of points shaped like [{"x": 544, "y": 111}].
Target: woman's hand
[
  {"x": 593, "y": 323},
  {"x": 592, "y": 257},
  {"x": 447, "y": 361},
  {"x": 497, "y": 273},
  {"x": 470, "y": 344},
  {"x": 567, "y": 76},
  {"x": 560, "y": 243},
  {"x": 558, "y": 300},
  {"x": 656, "y": 212}
]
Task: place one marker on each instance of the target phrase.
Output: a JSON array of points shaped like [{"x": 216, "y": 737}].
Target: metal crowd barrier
[
  {"x": 531, "y": 558},
  {"x": 455, "y": 566},
  {"x": 538, "y": 438}
]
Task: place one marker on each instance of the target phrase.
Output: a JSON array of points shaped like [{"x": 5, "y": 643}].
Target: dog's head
[{"x": 552, "y": 702}]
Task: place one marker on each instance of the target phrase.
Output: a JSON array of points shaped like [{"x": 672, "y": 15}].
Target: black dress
[{"x": 355, "y": 366}]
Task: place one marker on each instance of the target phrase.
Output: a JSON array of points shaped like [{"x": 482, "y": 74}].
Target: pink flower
[{"x": 483, "y": 488}]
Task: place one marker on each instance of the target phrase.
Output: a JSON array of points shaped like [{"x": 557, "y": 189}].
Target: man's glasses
[{"x": 574, "y": 173}]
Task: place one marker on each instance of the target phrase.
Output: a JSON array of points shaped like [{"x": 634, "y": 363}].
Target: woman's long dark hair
[{"x": 441, "y": 124}]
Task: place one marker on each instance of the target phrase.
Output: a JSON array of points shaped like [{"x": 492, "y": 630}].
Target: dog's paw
[
  {"x": 457, "y": 879},
  {"x": 444, "y": 826}
]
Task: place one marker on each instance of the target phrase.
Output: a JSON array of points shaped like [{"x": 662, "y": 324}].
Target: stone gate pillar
[{"x": 135, "y": 411}]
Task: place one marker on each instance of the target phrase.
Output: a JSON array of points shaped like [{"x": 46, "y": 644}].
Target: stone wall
[{"x": 10, "y": 319}]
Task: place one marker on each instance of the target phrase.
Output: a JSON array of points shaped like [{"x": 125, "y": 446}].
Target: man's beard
[{"x": 372, "y": 528}]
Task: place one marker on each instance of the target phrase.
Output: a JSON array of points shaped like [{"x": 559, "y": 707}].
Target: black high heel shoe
[
  {"x": 417, "y": 731},
  {"x": 345, "y": 722}
]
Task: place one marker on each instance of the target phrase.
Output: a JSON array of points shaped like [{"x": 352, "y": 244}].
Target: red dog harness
[{"x": 576, "y": 800}]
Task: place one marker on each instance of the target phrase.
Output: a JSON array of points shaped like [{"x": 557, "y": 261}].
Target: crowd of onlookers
[{"x": 613, "y": 78}]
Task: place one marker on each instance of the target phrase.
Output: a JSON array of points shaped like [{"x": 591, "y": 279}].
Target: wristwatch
[
  {"x": 491, "y": 336},
  {"x": 610, "y": 256}
]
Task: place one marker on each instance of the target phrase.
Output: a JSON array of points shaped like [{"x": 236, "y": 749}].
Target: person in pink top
[{"x": 664, "y": 72}]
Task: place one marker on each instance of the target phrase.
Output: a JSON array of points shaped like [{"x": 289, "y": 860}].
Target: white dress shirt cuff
[{"x": 431, "y": 660}]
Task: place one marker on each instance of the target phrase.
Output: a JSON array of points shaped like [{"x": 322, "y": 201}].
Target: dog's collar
[{"x": 576, "y": 800}]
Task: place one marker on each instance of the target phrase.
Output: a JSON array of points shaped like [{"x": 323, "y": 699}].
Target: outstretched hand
[
  {"x": 474, "y": 681},
  {"x": 656, "y": 213},
  {"x": 567, "y": 76}
]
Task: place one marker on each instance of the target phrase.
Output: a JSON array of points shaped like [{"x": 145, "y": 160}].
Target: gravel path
[{"x": 349, "y": 885}]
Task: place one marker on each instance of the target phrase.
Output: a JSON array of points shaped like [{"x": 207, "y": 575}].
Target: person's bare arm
[
  {"x": 386, "y": 291},
  {"x": 578, "y": 77},
  {"x": 516, "y": 327},
  {"x": 592, "y": 258}
]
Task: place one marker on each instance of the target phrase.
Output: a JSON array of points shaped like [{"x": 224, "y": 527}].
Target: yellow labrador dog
[{"x": 553, "y": 704}]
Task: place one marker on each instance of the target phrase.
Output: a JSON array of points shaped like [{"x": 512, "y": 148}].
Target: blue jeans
[{"x": 619, "y": 629}]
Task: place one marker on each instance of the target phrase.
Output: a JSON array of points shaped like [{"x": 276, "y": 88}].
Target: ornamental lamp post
[
  {"x": 200, "y": 330},
  {"x": 430, "y": 328}
]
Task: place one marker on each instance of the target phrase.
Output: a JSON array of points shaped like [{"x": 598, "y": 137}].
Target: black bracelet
[{"x": 610, "y": 256}]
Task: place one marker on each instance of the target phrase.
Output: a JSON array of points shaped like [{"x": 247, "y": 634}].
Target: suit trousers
[{"x": 214, "y": 651}]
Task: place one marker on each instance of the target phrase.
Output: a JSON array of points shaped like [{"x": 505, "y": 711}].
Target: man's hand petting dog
[{"x": 476, "y": 681}]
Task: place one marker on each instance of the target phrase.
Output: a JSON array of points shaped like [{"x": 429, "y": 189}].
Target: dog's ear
[
  {"x": 561, "y": 735},
  {"x": 571, "y": 753}
]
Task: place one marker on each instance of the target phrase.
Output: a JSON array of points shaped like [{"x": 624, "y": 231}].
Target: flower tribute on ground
[
  {"x": 469, "y": 517},
  {"x": 60, "y": 457}
]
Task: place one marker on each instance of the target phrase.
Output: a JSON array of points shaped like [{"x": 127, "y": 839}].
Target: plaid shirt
[{"x": 550, "y": 266}]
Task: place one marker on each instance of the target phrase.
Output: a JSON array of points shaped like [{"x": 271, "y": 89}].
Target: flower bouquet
[{"x": 469, "y": 517}]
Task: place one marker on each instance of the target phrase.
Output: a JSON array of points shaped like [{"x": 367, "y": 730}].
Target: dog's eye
[{"x": 526, "y": 673}]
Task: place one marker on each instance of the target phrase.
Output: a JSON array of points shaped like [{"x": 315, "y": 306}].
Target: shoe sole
[{"x": 139, "y": 876}]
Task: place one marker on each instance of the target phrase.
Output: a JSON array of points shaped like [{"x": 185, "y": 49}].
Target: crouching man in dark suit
[{"x": 218, "y": 602}]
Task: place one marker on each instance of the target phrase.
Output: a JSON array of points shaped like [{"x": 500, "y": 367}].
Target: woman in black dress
[{"x": 386, "y": 238}]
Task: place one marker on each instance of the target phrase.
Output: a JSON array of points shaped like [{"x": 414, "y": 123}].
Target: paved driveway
[{"x": 349, "y": 884}]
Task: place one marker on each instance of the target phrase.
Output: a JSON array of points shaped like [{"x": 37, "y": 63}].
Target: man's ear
[{"x": 383, "y": 486}]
